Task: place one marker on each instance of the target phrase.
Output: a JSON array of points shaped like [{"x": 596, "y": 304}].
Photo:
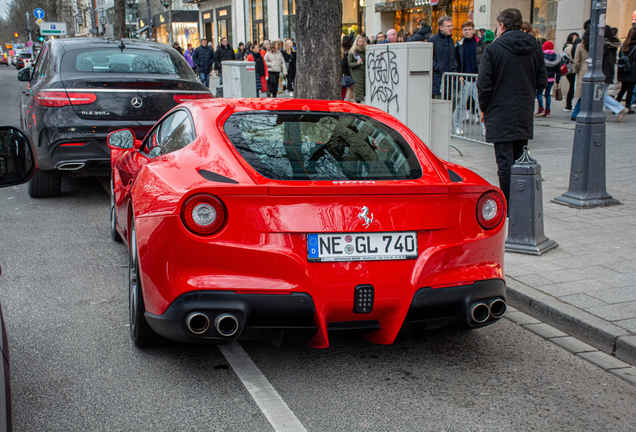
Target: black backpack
[{"x": 624, "y": 63}]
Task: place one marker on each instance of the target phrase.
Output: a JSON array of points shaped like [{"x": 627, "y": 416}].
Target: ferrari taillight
[
  {"x": 60, "y": 98},
  {"x": 490, "y": 210},
  {"x": 203, "y": 214}
]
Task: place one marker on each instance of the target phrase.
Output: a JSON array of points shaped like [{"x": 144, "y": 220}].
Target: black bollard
[{"x": 525, "y": 223}]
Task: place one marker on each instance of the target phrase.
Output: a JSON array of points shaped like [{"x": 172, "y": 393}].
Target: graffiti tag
[{"x": 383, "y": 77}]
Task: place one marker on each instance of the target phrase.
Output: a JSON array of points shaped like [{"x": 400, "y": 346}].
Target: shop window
[
  {"x": 544, "y": 16},
  {"x": 289, "y": 19},
  {"x": 407, "y": 20},
  {"x": 259, "y": 20}
]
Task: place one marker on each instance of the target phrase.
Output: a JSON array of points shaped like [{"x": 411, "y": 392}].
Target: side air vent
[
  {"x": 456, "y": 178},
  {"x": 214, "y": 177}
]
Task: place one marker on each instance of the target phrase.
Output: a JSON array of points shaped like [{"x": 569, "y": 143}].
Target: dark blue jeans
[
  {"x": 577, "y": 109},
  {"x": 548, "y": 99},
  {"x": 205, "y": 78}
]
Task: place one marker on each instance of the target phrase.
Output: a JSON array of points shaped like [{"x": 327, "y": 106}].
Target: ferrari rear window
[{"x": 321, "y": 146}]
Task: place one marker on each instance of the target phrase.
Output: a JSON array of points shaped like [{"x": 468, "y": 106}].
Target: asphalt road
[{"x": 64, "y": 294}]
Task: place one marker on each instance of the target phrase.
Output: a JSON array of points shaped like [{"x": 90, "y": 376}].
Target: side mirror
[
  {"x": 121, "y": 140},
  {"x": 24, "y": 74},
  {"x": 18, "y": 161}
]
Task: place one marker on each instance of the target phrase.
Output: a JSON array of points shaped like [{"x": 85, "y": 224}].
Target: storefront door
[{"x": 224, "y": 24}]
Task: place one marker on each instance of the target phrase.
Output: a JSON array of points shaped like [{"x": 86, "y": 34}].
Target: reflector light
[
  {"x": 203, "y": 214},
  {"x": 490, "y": 210},
  {"x": 72, "y": 144}
]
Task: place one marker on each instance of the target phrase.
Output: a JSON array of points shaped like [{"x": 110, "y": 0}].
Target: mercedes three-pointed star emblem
[{"x": 136, "y": 102}]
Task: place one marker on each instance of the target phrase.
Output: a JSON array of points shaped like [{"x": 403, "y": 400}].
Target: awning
[{"x": 141, "y": 30}]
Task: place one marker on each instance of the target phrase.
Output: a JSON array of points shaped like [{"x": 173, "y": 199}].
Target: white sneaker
[
  {"x": 459, "y": 131},
  {"x": 291, "y": 94}
]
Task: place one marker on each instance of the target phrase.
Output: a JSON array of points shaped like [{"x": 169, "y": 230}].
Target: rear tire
[
  {"x": 113, "y": 216},
  {"x": 141, "y": 333},
  {"x": 45, "y": 184}
]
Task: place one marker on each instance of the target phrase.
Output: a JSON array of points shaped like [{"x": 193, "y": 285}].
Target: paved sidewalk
[{"x": 587, "y": 286}]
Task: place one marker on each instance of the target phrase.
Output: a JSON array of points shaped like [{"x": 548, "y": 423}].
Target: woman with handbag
[
  {"x": 553, "y": 68},
  {"x": 570, "y": 75},
  {"x": 627, "y": 68},
  {"x": 289, "y": 53},
  {"x": 260, "y": 68},
  {"x": 276, "y": 66},
  {"x": 357, "y": 64},
  {"x": 347, "y": 80}
]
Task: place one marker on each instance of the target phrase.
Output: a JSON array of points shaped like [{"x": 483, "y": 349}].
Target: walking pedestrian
[
  {"x": 553, "y": 68},
  {"x": 424, "y": 33},
  {"x": 357, "y": 64},
  {"x": 380, "y": 38},
  {"x": 489, "y": 36},
  {"x": 391, "y": 36},
  {"x": 276, "y": 66},
  {"x": 260, "y": 68},
  {"x": 289, "y": 54},
  {"x": 241, "y": 53},
  {"x": 466, "y": 57},
  {"x": 347, "y": 90},
  {"x": 177, "y": 47},
  {"x": 571, "y": 75},
  {"x": 443, "y": 54},
  {"x": 223, "y": 53},
  {"x": 627, "y": 69},
  {"x": 610, "y": 49},
  {"x": 203, "y": 58},
  {"x": 188, "y": 57},
  {"x": 512, "y": 69}
]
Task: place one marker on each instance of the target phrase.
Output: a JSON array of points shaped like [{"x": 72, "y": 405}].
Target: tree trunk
[
  {"x": 319, "y": 64},
  {"x": 119, "y": 25}
]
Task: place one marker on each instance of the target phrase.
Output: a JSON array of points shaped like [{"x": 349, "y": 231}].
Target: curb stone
[{"x": 602, "y": 335}]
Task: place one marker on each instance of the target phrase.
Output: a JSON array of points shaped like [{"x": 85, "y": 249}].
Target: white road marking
[{"x": 268, "y": 400}]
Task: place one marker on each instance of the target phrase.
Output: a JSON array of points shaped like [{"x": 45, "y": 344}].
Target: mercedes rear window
[
  {"x": 128, "y": 61},
  {"x": 321, "y": 146}
]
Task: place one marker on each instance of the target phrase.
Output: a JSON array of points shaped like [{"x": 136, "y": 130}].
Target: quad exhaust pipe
[
  {"x": 225, "y": 323},
  {"x": 480, "y": 312}
]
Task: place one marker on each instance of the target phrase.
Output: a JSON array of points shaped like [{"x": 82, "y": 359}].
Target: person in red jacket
[{"x": 260, "y": 68}]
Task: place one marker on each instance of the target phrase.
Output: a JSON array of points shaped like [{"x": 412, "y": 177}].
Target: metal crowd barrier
[{"x": 461, "y": 89}]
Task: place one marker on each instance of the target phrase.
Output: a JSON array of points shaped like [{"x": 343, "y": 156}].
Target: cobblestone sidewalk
[{"x": 587, "y": 286}]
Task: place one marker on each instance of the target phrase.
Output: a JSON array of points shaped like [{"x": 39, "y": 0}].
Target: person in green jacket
[{"x": 357, "y": 64}]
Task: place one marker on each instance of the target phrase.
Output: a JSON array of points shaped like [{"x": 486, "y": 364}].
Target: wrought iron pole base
[
  {"x": 531, "y": 249},
  {"x": 583, "y": 203}
]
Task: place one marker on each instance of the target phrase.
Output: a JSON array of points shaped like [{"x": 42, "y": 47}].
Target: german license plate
[{"x": 362, "y": 246}]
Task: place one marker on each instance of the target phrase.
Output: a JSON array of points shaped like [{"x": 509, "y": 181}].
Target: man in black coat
[
  {"x": 443, "y": 54},
  {"x": 223, "y": 52},
  {"x": 512, "y": 69},
  {"x": 423, "y": 34},
  {"x": 203, "y": 58}
]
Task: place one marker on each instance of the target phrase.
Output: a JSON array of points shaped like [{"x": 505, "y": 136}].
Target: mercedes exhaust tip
[
  {"x": 498, "y": 308},
  {"x": 71, "y": 166},
  {"x": 226, "y": 324},
  {"x": 197, "y": 323},
  {"x": 480, "y": 312}
]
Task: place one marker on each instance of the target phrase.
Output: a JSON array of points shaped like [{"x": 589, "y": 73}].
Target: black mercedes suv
[{"x": 81, "y": 89}]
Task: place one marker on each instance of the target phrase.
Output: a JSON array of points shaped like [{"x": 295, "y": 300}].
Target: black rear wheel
[
  {"x": 141, "y": 333},
  {"x": 45, "y": 184}
]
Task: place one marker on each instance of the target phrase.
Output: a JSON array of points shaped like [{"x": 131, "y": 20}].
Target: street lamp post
[
  {"x": 130, "y": 4},
  {"x": 102, "y": 22},
  {"x": 168, "y": 5},
  {"x": 587, "y": 173}
]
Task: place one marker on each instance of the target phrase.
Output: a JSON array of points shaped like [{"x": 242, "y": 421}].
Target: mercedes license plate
[{"x": 362, "y": 246}]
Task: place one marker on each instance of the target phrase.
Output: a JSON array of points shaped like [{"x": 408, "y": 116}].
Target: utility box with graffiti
[{"x": 399, "y": 80}]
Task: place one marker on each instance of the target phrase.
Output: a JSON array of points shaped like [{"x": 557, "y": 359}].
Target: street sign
[
  {"x": 39, "y": 21},
  {"x": 39, "y": 13},
  {"x": 186, "y": 33},
  {"x": 53, "y": 29}
]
